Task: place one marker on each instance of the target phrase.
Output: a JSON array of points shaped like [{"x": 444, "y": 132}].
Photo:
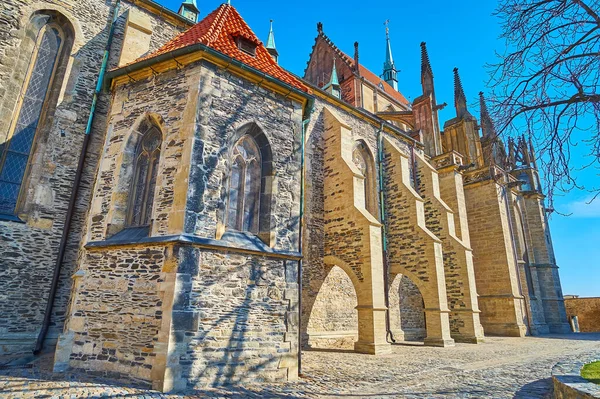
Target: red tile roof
[{"x": 218, "y": 31}]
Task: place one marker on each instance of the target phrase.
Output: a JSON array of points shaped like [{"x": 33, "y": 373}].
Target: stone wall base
[
  {"x": 506, "y": 329},
  {"x": 468, "y": 340},
  {"x": 332, "y": 339},
  {"x": 539, "y": 329},
  {"x": 16, "y": 344},
  {"x": 372, "y": 349},
  {"x": 438, "y": 342}
]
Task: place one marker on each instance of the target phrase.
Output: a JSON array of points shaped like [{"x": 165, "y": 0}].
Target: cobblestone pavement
[{"x": 498, "y": 368}]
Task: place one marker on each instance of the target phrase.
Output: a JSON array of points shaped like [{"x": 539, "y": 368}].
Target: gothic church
[{"x": 177, "y": 210}]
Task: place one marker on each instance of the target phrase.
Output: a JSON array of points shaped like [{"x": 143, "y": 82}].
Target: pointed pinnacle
[
  {"x": 460, "y": 100},
  {"x": 487, "y": 124},
  {"x": 425, "y": 63},
  {"x": 271, "y": 38}
]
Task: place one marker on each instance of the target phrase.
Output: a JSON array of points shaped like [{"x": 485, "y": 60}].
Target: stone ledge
[{"x": 568, "y": 383}]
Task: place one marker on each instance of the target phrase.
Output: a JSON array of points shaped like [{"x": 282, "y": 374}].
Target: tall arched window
[
  {"x": 363, "y": 160},
  {"x": 144, "y": 178},
  {"x": 244, "y": 186},
  {"x": 16, "y": 148}
]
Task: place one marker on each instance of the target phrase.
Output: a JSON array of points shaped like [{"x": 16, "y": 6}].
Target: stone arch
[
  {"x": 124, "y": 168},
  {"x": 407, "y": 309},
  {"x": 267, "y": 186},
  {"x": 333, "y": 319}
]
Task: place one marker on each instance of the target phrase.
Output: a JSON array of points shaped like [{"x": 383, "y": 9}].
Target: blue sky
[{"x": 458, "y": 34}]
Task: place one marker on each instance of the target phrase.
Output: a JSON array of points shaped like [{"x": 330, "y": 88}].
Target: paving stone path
[{"x": 498, "y": 368}]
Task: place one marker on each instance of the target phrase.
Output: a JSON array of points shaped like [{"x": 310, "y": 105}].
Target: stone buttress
[
  {"x": 414, "y": 250},
  {"x": 458, "y": 257},
  {"x": 353, "y": 235}
]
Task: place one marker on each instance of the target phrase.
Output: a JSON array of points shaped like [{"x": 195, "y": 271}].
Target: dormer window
[{"x": 245, "y": 45}]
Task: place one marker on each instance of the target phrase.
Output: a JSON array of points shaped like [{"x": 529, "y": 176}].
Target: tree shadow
[{"x": 543, "y": 389}]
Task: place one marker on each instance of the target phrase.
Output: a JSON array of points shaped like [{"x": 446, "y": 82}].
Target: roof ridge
[{"x": 217, "y": 25}]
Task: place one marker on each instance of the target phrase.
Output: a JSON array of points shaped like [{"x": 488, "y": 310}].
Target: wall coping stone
[
  {"x": 568, "y": 382},
  {"x": 234, "y": 242}
]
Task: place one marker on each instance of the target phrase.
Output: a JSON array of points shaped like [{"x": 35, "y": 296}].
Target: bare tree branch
[{"x": 546, "y": 85}]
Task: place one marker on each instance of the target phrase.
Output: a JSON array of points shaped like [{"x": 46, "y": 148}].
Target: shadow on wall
[{"x": 247, "y": 323}]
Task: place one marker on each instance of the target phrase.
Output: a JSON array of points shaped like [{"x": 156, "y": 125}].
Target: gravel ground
[{"x": 498, "y": 368}]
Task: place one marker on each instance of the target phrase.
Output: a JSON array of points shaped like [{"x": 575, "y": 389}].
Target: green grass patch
[{"x": 591, "y": 372}]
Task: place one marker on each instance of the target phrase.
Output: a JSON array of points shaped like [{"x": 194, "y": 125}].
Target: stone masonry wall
[
  {"x": 333, "y": 321},
  {"x": 234, "y": 320},
  {"x": 412, "y": 310},
  {"x": 129, "y": 336},
  {"x": 587, "y": 311},
  {"x": 31, "y": 248},
  {"x": 235, "y": 317},
  {"x": 117, "y": 313}
]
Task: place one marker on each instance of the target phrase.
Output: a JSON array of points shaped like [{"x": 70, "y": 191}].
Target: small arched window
[
  {"x": 17, "y": 147},
  {"x": 243, "y": 207},
  {"x": 144, "y": 178},
  {"x": 363, "y": 160}
]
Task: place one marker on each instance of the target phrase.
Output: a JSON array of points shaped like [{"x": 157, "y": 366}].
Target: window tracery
[
  {"x": 144, "y": 178},
  {"x": 16, "y": 149},
  {"x": 244, "y": 186}
]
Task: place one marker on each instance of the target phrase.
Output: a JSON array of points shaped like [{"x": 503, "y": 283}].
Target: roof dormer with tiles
[{"x": 226, "y": 39}]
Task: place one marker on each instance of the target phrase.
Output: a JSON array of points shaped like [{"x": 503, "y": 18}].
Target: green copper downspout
[
  {"x": 386, "y": 266},
  {"x": 305, "y": 122},
  {"x": 73, "y": 198}
]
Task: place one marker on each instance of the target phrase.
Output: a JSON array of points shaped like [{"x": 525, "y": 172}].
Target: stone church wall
[
  {"x": 235, "y": 321},
  {"x": 31, "y": 248},
  {"x": 211, "y": 312}
]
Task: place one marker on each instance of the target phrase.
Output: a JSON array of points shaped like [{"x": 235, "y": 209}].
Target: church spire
[
  {"x": 333, "y": 87},
  {"x": 426, "y": 71},
  {"x": 460, "y": 100},
  {"x": 271, "y": 48},
  {"x": 487, "y": 124},
  {"x": 390, "y": 73}
]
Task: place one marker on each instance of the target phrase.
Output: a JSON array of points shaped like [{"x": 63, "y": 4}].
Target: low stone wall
[
  {"x": 587, "y": 311},
  {"x": 568, "y": 383}
]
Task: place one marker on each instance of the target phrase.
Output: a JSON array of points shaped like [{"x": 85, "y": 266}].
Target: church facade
[{"x": 177, "y": 210}]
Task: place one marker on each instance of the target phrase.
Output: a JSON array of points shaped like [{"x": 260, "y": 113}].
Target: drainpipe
[
  {"x": 73, "y": 198},
  {"x": 386, "y": 266},
  {"x": 309, "y": 109}
]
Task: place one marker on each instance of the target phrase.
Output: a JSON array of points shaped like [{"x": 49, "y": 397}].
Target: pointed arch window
[
  {"x": 145, "y": 172},
  {"x": 244, "y": 186},
  {"x": 361, "y": 156},
  {"x": 16, "y": 149}
]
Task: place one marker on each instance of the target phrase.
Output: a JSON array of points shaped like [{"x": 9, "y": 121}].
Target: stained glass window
[
  {"x": 244, "y": 186},
  {"x": 15, "y": 152},
  {"x": 144, "y": 181}
]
